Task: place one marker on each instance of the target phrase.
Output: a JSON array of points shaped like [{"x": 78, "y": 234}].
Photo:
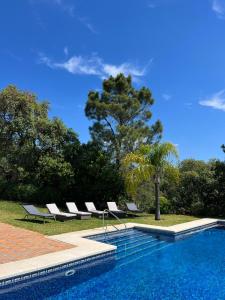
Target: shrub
[
  {"x": 22, "y": 192},
  {"x": 165, "y": 206}
]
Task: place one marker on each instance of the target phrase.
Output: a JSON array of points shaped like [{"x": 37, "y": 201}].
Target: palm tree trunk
[{"x": 157, "y": 201}]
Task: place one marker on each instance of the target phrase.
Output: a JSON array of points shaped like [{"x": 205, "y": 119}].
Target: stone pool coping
[{"x": 86, "y": 248}]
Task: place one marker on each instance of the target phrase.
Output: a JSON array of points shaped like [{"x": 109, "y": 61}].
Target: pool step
[
  {"x": 129, "y": 240},
  {"x": 138, "y": 244},
  {"x": 134, "y": 241},
  {"x": 128, "y": 260},
  {"x": 138, "y": 251},
  {"x": 132, "y": 245},
  {"x": 110, "y": 238}
]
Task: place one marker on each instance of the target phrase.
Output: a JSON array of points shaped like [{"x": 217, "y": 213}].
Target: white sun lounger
[
  {"x": 114, "y": 209},
  {"x": 91, "y": 208},
  {"x": 62, "y": 216},
  {"x": 72, "y": 208}
]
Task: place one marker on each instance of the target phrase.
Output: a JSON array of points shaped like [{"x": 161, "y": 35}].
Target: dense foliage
[
  {"x": 41, "y": 160},
  {"x": 96, "y": 178},
  {"x": 200, "y": 189},
  {"x": 197, "y": 189}
]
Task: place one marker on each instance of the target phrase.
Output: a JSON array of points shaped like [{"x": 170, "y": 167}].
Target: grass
[{"x": 12, "y": 213}]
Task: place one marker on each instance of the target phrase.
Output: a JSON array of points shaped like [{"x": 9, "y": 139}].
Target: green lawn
[{"x": 12, "y": 213}]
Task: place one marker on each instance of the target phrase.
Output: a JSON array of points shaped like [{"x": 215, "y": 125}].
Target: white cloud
[
  {"x": 218, "y": 6},
  {"x": 45, "y": 60},
  {"x": 216, "y": 101},
  {"x": 94, "y": 65},
  {"x": 166, "y": 97},
  {"x": 80, "y": 65},
  {"x": 125, "y": 68},
  {"x": 85, "y": 21},
  {"x": 66, "y": 51}
]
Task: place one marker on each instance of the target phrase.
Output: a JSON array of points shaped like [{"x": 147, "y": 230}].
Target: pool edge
[{"x": 86, "y": 248}]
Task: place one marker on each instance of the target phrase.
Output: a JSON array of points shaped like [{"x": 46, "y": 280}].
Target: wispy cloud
[
  {"x": 12, "y": 55},
  {"x": 218, "y": 6},
  {"x": 66, "y": 51},
  {"x": 68, "y": 7},
  {"x": 188, "y": 105},
  {"x": 166, "y": 96},
  {"x": 95, "y": 65},
  {"x": 86, "y": 22},
  {"x": 65, "y": 5},
  {"x": 125, "y": 68},
  {"x": 39, "y": 20},
  {"x": 151, "y": 5},
  {"x": 216, "y": 101}
]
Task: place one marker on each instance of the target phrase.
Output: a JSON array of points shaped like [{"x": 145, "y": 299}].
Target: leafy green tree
[
  {"x": 121, "y": 117},
  {"x": 223, "y": 148},
  {"x": 55, "y": 177},
  {"x": 169, "y": 188},
  {"x": 198, "y": 166},
  {"x": 216, "y": 203},
  {"x": 149, "y": 161},
  {"x": 96, "y": 178},
  {"x": 144, "y": 197},
  {"x": 195, "y": 191},
  {"x": 28, "y": 137},
  {"x": 19, "y": 112}
]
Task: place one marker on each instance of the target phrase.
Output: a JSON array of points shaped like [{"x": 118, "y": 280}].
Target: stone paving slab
[
  {"x": 85, "y": 248},
  {"x": 17, "y": 244},
  {"x": 178, "y": 228}
]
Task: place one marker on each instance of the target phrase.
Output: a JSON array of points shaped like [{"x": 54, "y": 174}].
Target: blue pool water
[{"x": 145, "y": 267}]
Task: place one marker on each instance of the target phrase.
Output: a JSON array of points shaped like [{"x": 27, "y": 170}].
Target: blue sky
[{"x": 61, "y": 49}]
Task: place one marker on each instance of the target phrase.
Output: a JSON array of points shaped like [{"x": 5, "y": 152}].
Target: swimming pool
[{"x": 146, "y": 266}]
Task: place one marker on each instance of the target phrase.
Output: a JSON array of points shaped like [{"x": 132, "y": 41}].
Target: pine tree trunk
[{"x": 157, "y": 201}]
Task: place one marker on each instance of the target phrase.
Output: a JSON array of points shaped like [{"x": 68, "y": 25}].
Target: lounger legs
[{"x": 35, "y": 217}]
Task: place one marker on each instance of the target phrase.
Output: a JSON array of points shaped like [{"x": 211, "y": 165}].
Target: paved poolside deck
[
  {"x": 79, "y": 246},
  {"x": 17, "y": 244}
]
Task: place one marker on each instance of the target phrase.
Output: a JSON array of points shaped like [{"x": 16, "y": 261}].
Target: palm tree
[{"x": 149, "y": 161}]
